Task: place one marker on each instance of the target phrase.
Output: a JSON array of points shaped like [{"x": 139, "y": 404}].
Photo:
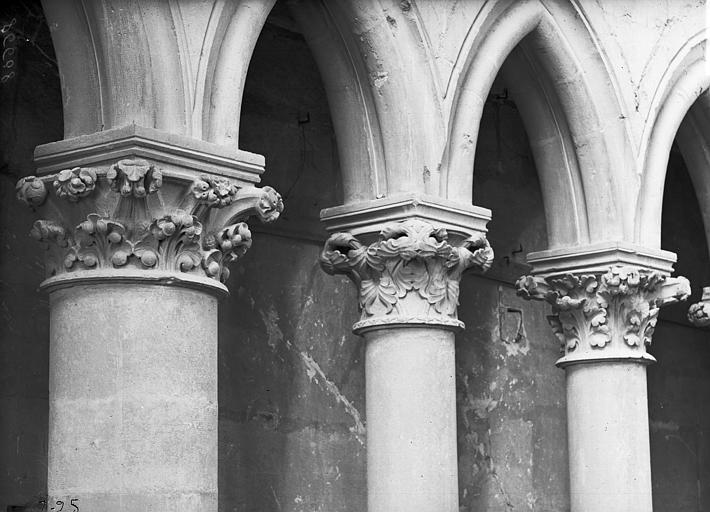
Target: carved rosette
[
  {"x": 149, "y": 221},
  {"x": 605, "y": 316},
  {"x": 409, "y": 276},
  {"x": 699, "y": 314}
]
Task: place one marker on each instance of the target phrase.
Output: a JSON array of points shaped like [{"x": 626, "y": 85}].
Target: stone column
[
  {"x": 139, "y": 227},
  {"x": 605, "y": 303},
  {"x": 406, "y": 255}
]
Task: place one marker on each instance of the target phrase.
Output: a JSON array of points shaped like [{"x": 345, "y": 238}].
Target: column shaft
[
  {"x": 133, "y": 398},
  {"x": 607, "y": 422},
  {"x": 411, "y": 420},
  {"x": 408, "y": 279},
  {"x": 604, "y": 313}
]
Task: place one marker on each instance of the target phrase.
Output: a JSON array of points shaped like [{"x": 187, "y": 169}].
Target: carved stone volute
[
  {"x": 409, "y": 276},
  {"x": 136, "y": 207},
  {"x": 605, "y": 314}
]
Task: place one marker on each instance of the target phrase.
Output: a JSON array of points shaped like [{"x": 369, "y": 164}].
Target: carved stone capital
[
  {"x": 136, "y": 199},
  {"x": 410, "y": 275},
  {"x": 699, "y": 313},
  {"x": 605, "y": 315}
]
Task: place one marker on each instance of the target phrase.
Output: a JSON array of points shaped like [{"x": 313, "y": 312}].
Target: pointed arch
[
  {"x": 148, "y": 80},
  {"x": 694, "y": 142},
  {"x": 237, "y": 30},
  {"x": 383, "y": 96},
  {"x": 686, "y": 79},
  {"x": 352, "y": 105},
  {"x": 570, "y": 112}
]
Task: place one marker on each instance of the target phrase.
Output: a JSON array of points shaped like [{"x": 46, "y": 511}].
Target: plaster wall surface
[{"x": 292, "y": 421}]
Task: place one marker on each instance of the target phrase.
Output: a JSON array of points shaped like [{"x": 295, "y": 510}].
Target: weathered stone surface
[
  {"x": 511, "y": 406},
  {"x": 292, "y": 413},
  {"x": 319, "y": 397},
  {"x": 133, "y": 374}
]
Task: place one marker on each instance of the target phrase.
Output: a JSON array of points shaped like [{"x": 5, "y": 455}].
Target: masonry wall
[{"x": 291, "y": 375}]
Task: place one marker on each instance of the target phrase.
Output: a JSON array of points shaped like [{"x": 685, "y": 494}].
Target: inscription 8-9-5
[{"x": 63, "y": 506}]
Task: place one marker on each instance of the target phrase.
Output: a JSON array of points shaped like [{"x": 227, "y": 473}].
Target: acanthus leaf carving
[
  {"x": 73, "y": 184},
  {"x": 173, "y": 233},
  {"x": 617, "y": 308},
  {"x": 134, "y": 177},
  {"x": 171, "y": 243},
  {"x": 412, "y": 268},
  {"x": 101, "y": 242},
  {"x": 32, "y": 191}
]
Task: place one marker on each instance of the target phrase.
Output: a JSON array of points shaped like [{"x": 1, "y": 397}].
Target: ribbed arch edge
[
  {"x": 686, "y": 79},
  {"x": 694, "y": 142},
  {"x": 583, "y": 161},
  {"x": 385, "y": 102},
  {"x": 237, "y": 31}
]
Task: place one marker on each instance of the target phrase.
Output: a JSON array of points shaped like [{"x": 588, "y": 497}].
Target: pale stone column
[
  {"x": 406, "y": 255},
  {"x": 605, "y": 303},
  {"x": 139, "y": 227}
]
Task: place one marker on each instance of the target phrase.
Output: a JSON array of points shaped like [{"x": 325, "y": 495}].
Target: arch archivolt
[
  {"x": 687, "y": 78},
  {"x": 400, "y": 126},
  {"x": 693, "y": 139},
  {"x": 578, "y": 146},
  {"x": 176, "y": 66}
]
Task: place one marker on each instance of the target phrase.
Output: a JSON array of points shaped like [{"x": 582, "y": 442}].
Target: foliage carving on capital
[
  {"x": 171, "y": 243},
  {"x": 194, "y": 224},
  {"x": 270, "y": 204},
  {"x": 175, "y": 242},
  {"x": 32, "y": 191},
  {"x": 100, "y": 243},
  {"x": 699, "y": 313},
  {"x": 412, "y": 271},
  {"x": 229, "y": 244},
  {"x": 134, "y": 177},
  {"x": 73, "y": 184},
  {"x": 618, "y": 308},
  {"x": 214, "y": 191},
  {"x": 49, "y": 231}
]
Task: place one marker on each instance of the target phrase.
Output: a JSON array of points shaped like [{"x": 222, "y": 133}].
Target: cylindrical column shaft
[
  {"x": 411, "y": 420},
  {"x": 609, "y": 453},
  {"x": 133, "y": 398}
]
